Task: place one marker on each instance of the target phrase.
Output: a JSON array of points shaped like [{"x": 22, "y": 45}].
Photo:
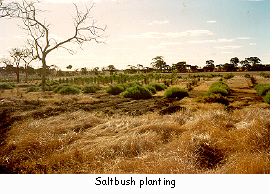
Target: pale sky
[{"x": 139, "y": 30}]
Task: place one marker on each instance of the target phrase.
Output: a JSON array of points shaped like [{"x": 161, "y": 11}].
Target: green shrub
[
  {"x": 51, "y": 85},
  {"x": 262, "y": 89},
  {"x": 130, "y": 84},
  {"x": 90, "y": 89},
  {"x": 151, "y": 89},
  {"x": 137, "y": 92},
  {"x": 59, "y": 87},
  {"x": 158, "y": 87},
  {"x": 219, "y": 88},
  {"x": 67, "y": 89},
  {"x": 176, "y": 92},
  {"x": 267, "y": 97},
  {"x": 33, "y": 89},
  {"x": 6, "y": 86},
  {"x": 115, "y": 89},
  {"x": 228, "y": 76}
]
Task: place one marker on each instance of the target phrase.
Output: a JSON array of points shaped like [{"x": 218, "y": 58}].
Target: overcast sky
[{"x": 139, "y": 30}]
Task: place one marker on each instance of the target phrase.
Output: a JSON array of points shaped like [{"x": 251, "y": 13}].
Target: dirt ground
[
  {"x": 19, "y": 109},
  {"x": 18, "y": 105},
  {"x": 22, "y": 105}
]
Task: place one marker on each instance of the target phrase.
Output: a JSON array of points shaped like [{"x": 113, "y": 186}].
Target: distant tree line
[
  {"x": 248, "y": 64},
  {"x": 159, "y": 65},
  {"x": 24, "y": 57}
]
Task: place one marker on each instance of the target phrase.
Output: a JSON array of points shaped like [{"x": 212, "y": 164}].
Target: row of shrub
[
  {"x": 6, "y": 86},
  {"x": 176, "y": 93},
  {"x": 136, "y": 90},
  {"x": 218, "y": 93},
  {"x": 264, "y": 91},
  {"x": 67, "y": 89}
]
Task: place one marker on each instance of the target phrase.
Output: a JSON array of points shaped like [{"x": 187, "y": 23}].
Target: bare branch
[{"x": 39, "y": 31}]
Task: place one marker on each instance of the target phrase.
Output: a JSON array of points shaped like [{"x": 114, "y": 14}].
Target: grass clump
[
  {"x": 219, "y": 88},
  {"x": 158, "y": 87},
  {"x": 267, "y": 97},
  {"x": 217, "y": 93},
  {"x": 151, "y": 89},
  {"x": 137, "y": 92},
  {"x": 6, "y": 86},
  {"x": 90, "y": 89},
  {"x": 130, "y": 84},
  {"x": 67, "y": 89},
  {"x": 262, "y": 89},
  {"x": 115, "y": 89},
  {"x": 176, "y": 92}
]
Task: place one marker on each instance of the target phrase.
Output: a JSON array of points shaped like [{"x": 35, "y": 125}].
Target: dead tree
[
  {"x": 28, "y": 57},
  {"x": 85, "y": 30},
  {"x": 17, "y": 55}
]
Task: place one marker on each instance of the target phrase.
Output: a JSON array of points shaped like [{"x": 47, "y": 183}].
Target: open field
[{"x": 103, "y": 133}]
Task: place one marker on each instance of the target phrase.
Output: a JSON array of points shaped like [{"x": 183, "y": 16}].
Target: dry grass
[
  {"x": 191, "y": 141},
  {"x": 50, "y": 133}
]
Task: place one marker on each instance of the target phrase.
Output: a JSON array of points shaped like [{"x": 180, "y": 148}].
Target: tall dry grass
[{"x": 191, "y": 141}]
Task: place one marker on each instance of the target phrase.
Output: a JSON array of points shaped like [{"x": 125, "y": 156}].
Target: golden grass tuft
[{"x": 191, "y": 141}]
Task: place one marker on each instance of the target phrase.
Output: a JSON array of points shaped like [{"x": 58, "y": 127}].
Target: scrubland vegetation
[
  {"x": 137, "y": 127},
  {"x": 161, "y": 118}
]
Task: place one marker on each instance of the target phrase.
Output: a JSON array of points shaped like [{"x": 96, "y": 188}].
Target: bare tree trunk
[
  {"x": 26, "y": 73},
  {"x": 17, "y": 72},
  {"x": 43, "y": 73}
]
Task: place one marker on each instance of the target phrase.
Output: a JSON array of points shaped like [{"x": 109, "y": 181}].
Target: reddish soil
[{"x": 242, "y": 93}]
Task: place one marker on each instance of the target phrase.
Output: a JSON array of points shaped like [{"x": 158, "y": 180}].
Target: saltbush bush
[
  {"x": 176, "y": 92},
  {"x": 151, "y": 89},
  {"x": 67, "y": 89},
  {"x": 262, "y": 89},
  {"x": 267, "y": 97},
  {"x": 219, "y": 88},
  {"x": 137, "y": 92},
  {"x": 158, "y": 86},
  {"x": 115, "y": 89},
  {"x": 6, "y": 86},
  {"x": 130, "y": 84},
  {"x": 90, "y": 89}
]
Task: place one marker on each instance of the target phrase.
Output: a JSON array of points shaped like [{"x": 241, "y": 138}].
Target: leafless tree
[
  {"x": 85, "y": 29},
  {"x": 17, "y": 55},
  {"x": 28, "y": 57}
]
